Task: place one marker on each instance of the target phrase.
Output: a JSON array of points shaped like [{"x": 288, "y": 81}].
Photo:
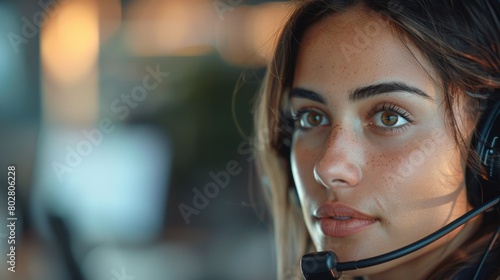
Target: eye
[
  {"x": 390, "y": 117},
  {"x": 310, "y": 118}
]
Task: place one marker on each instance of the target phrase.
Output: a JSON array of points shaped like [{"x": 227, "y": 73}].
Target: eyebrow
[
  {"x": 372, "y": 90},
  {"x": 363, "y": 92},
  {"x": 307, "y": 94}
]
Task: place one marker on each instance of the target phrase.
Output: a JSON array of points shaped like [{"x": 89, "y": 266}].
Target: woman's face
[{"x": 375, "y": 164}]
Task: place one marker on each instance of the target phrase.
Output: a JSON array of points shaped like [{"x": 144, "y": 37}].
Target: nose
[{"x": 339, "y": 164}]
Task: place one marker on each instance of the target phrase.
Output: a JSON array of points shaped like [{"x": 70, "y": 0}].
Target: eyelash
[
  {"x": 385, "y": 107},
  {"x": 391, "y": 107}
]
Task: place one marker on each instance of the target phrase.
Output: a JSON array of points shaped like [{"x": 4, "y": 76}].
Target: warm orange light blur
[
  {"x": 264, "y": 25},
  {"x": 242, "y": 34},
  {"x": 70, "y": 41},
  {"x": 248, "y": 34},
  {"x": 172, "y": 27}
]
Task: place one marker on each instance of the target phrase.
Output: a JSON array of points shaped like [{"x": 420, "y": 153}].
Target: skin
[{"x": 410, "y": 178}]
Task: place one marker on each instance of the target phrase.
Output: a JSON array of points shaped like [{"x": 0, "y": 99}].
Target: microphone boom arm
[{"x": 317, "y": 265}]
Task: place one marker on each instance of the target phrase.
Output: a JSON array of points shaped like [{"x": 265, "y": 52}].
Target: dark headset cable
[{"x": 485, "y": 255}]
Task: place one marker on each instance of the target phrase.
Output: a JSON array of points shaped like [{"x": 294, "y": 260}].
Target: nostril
[{"x": 339, "y": 183}]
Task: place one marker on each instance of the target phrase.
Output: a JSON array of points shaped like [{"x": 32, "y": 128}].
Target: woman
[{"x": 372, "y": 106}]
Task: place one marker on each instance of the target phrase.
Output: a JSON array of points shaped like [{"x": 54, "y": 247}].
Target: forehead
[{"x": 357, "y": 48}]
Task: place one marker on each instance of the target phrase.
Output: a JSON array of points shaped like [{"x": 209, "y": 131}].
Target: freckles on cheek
[
  {"x": 417, "y": 175},
  {"x": 394, "y": 169},
  {"x": 385, "y": 168}
]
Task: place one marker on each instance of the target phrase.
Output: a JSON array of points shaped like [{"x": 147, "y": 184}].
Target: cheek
[{"x": 423, "y": 174}]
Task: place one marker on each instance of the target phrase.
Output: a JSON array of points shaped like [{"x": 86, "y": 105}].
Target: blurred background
[{"x": 128, "y": 123}]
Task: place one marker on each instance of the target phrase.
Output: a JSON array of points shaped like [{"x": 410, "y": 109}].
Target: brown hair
[{"x": 461, "y": 39}]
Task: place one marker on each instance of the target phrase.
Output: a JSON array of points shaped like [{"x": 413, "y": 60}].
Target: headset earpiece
[{"x": 484, "y": 184}]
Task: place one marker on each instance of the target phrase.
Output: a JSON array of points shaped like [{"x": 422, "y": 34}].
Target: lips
[{"x": 340, "y": 220}]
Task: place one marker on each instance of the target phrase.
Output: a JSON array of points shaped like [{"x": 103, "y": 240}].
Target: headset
[{"x": 483, "y": 190}]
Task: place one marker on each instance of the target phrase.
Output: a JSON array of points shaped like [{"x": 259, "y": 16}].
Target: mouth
[{"x": 340, "y": 220}]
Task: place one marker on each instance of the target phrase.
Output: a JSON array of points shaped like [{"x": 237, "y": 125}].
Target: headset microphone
[
  {"x": 480, "y": 185},
  {"x": 325, "y": 265}
]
